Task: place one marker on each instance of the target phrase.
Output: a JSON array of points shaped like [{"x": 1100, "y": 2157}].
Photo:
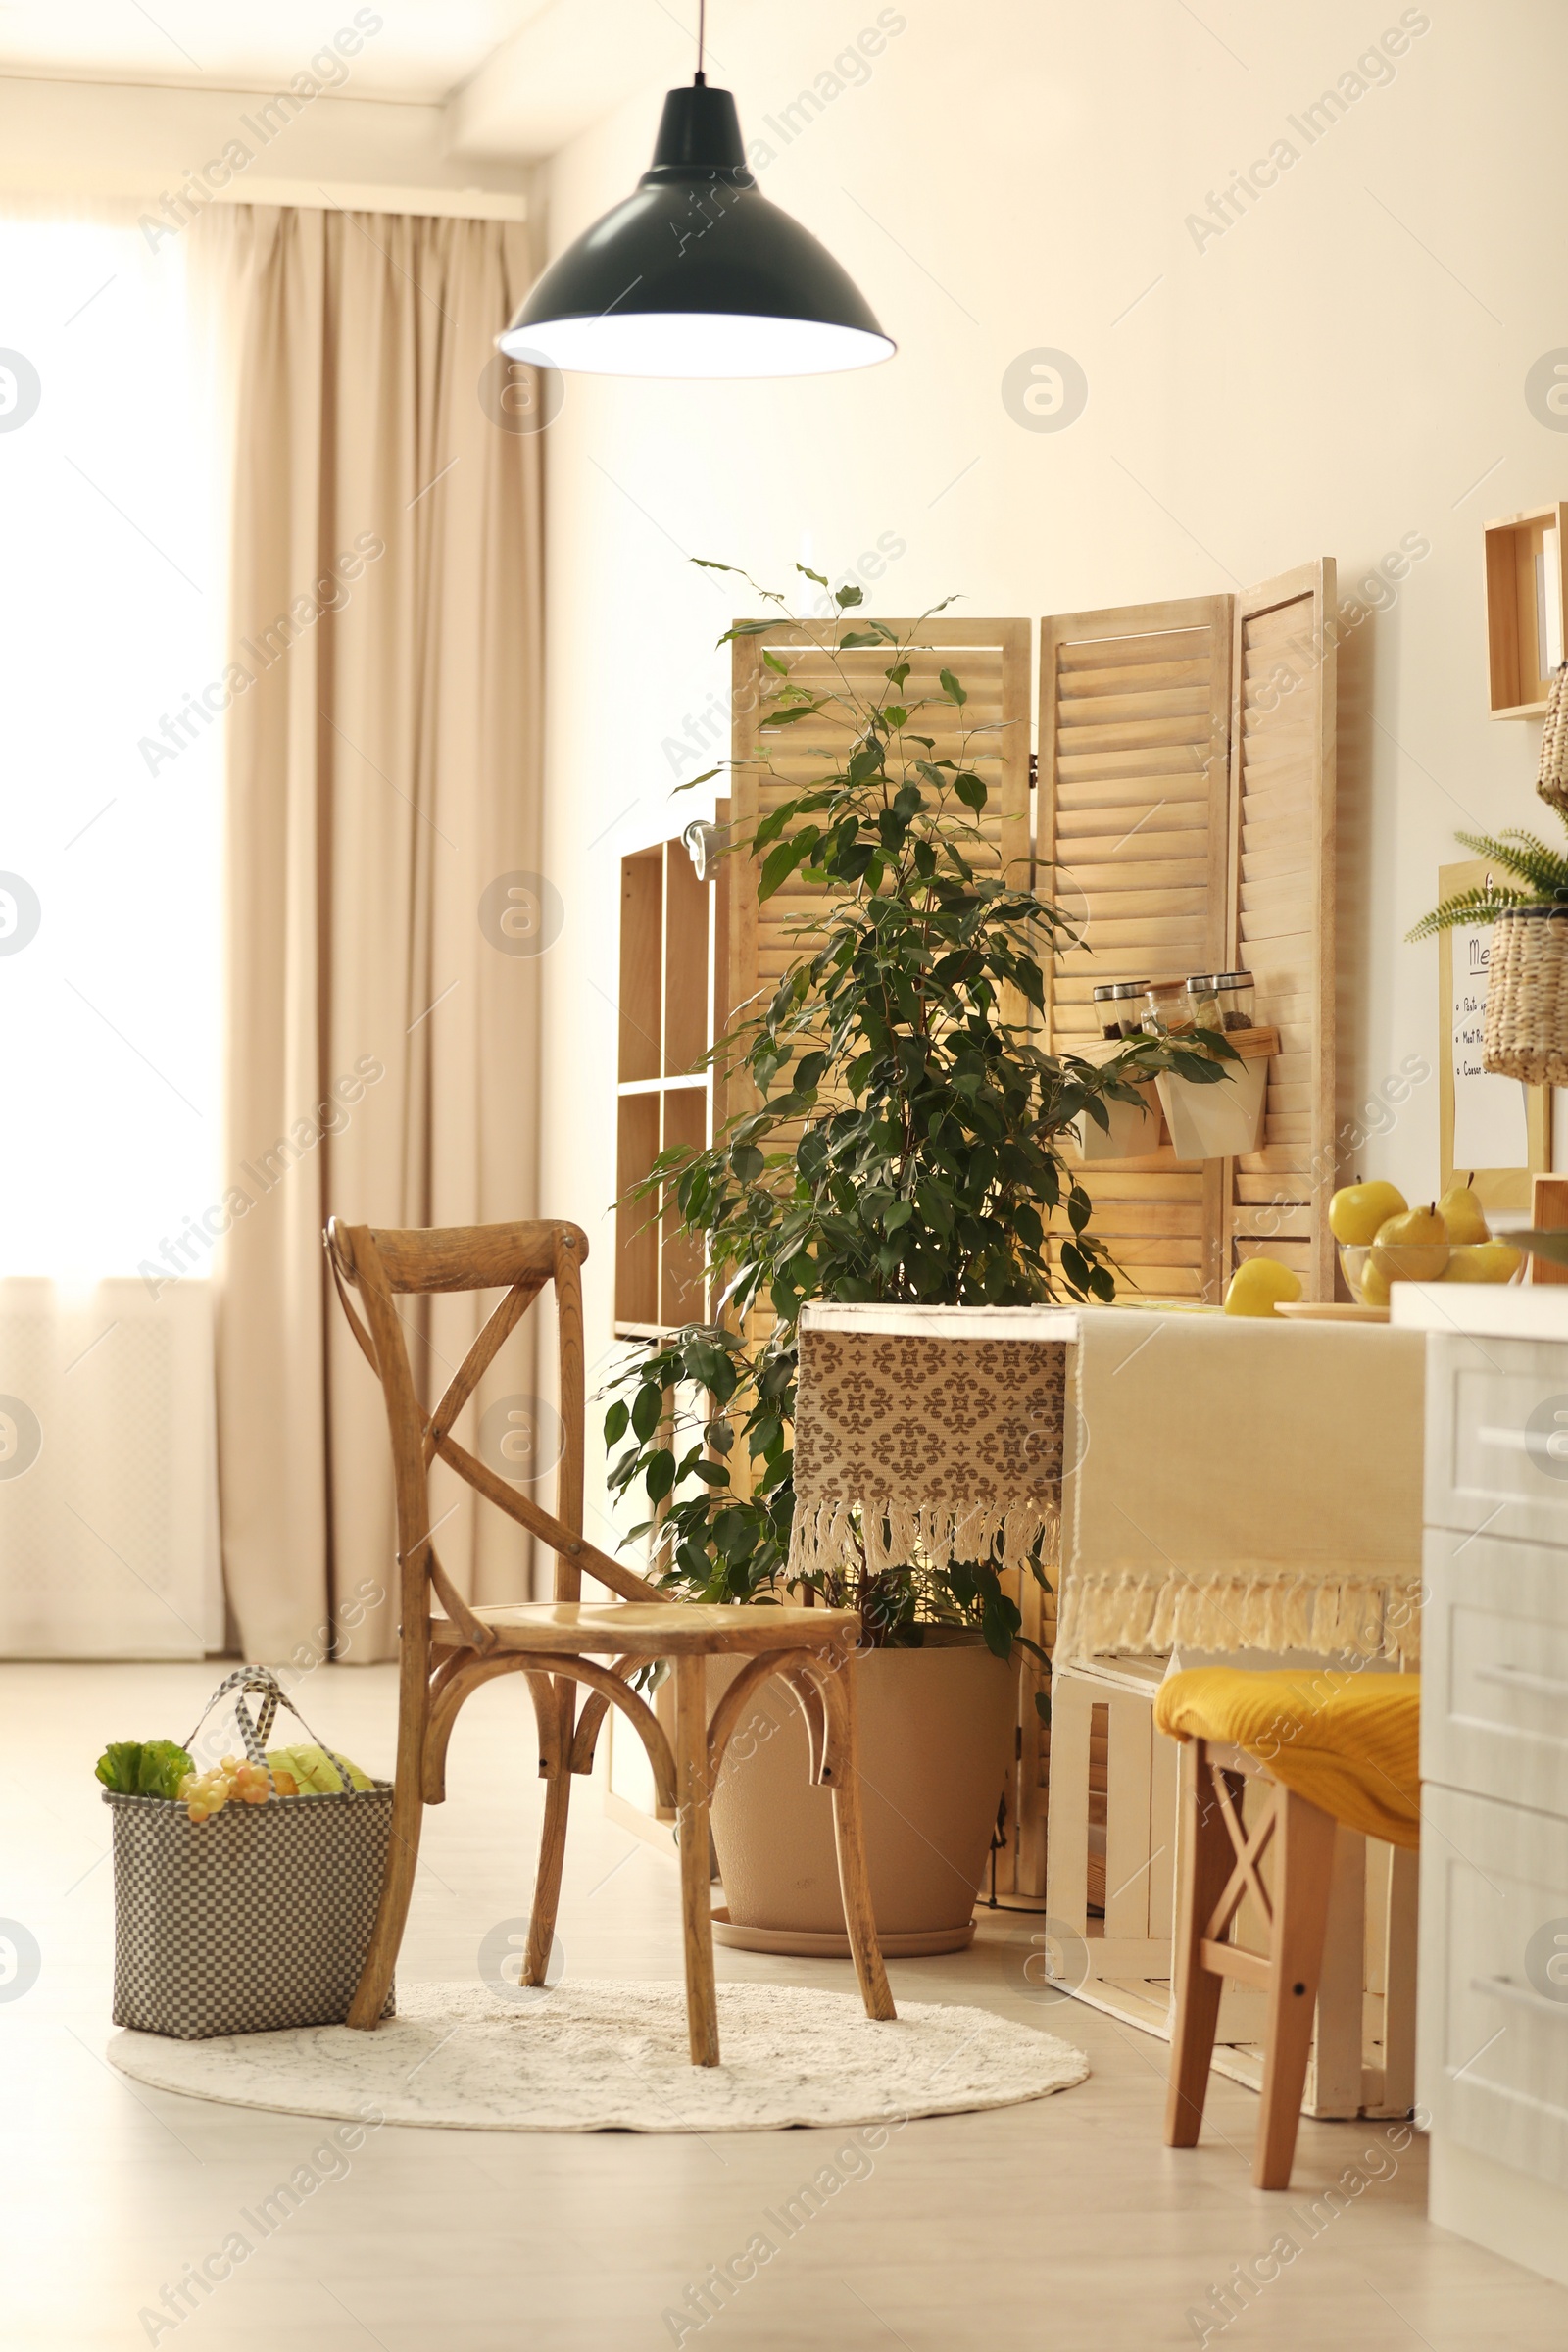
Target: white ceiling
[
  {"x": 519, "y": 76},
  {"x": 426, "y": 48}
]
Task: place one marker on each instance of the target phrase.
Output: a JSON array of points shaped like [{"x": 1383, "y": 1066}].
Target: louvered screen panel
[
  {"x": 991, "y": 660},
  {"x": 1281, "y": 889},
  {"x": 1131, "y": 835}
]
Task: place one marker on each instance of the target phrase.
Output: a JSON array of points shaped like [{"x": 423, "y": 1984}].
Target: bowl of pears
[{"x": 1383, "y": 1241}]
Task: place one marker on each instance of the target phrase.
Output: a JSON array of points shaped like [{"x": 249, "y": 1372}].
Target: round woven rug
[{"x": 604, "y": 2057}]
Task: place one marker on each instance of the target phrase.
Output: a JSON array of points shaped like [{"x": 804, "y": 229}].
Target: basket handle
[{"x": 262, "y": 1680}]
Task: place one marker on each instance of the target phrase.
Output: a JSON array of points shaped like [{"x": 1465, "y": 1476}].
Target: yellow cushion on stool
[{"x": 1349, "y": 1743}]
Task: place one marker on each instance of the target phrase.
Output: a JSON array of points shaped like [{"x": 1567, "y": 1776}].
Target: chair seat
[
  {"x": 653, "y": 1628},
  {"x": 1349, "y": 1743}
]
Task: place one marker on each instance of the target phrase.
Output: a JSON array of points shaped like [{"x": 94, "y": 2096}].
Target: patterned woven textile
[{"x": 932, "y": 1448}]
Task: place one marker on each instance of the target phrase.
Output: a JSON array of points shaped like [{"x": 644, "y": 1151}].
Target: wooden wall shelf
[
  {"x": 1527, "y": 609},
  {"x": 673, "y": 967}
]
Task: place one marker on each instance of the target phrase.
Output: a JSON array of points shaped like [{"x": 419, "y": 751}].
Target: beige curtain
[{"x": 384, "y": 914}]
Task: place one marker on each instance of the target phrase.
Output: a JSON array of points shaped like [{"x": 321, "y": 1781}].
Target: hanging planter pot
[
  {"x": 1552, "y": 777},
  {"x": 1134, "y": 1131},
  {"x": 1224, "y": 1118},
  {"x": 1527, "y": 992}
]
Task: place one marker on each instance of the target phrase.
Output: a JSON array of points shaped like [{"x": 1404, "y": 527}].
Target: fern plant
[{"x": 1540, "y": 878}]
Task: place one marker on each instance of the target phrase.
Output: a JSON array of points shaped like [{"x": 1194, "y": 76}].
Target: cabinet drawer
[
  {"x": 1493, "y": 2026},
  {"x": 1495, "y": 1669},
  {"x": 1496, "y": 1449}
]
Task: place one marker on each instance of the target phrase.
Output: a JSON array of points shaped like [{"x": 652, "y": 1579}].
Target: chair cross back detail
[{"x": 557, "y": 1646}]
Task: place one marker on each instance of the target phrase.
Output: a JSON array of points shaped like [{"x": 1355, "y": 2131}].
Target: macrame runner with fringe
[
  {"x": 929, "y": 1449},
  {"x": 1243, "y": 1485}
]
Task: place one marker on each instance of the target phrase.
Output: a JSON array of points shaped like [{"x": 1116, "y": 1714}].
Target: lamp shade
[{"x": 697, "y": 274}]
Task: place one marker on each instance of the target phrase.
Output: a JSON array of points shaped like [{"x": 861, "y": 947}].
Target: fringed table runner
[
  {"x": 1243, "y": 1484},
  {"x": 927, "y": 1435},
  {"x": 1228, "y": 1485}
]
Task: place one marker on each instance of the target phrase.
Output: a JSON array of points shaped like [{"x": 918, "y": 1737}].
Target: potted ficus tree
[{"x": 901, "y": 1141}]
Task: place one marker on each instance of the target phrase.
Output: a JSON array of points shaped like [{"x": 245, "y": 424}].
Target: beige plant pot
[{"x": 936, "y": 1728}]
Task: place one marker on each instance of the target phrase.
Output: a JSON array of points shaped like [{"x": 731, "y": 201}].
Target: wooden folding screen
[
  {"x": 1132, "y": 842},
  {"x": 1280, "y": 927},
  {"x": 1186, "y": 820}
]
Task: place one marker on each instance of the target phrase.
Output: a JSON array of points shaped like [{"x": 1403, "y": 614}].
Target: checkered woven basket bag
[{"x": 257, "y": 1919}]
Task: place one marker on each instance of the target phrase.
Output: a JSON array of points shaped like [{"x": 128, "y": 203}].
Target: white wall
[{"x": 1340, "y": 368}]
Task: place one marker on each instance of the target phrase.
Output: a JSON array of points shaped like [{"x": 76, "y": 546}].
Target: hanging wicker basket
[
  {"x": 1527, "y": 996},
  {"x": 1552, "y": 777}
]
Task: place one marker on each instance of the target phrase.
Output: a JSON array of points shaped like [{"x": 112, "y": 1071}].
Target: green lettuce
[
  {"x": 163, "y": 1765},
  {"x": 119, "y": 1766},
  {"x": 143, "y": 1767}
]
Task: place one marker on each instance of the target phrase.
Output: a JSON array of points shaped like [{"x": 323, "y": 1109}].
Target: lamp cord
[{"x": 702, "y": 38}]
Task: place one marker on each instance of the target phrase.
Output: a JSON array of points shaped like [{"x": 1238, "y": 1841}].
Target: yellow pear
[
  {"x": 1356, "y": 1211},
  {"x": 1413, "y": 1248},
  {"x": 1374, "y": 1285},
  {"x": 1482, "y": 1261},
  {"x": 1256, "y": 1284},
  {"x": 1463, "y": 1215}
]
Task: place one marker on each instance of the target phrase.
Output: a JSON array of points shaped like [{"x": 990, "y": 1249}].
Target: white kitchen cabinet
[{"x": 1491, "y": 2063}]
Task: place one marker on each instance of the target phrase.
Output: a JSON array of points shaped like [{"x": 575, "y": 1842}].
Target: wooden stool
[
  {"x": 1354, "y": 1743},
  {"x": 562, "y": 1643}
]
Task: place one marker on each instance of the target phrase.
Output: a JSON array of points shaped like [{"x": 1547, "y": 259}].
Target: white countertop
[{"x": 1483, "y": 1311}]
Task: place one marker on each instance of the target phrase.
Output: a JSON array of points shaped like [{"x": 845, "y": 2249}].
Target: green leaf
[
  {"x": 782, "y": 859},
  {"x": 660, "y": 1476},
  {"x": 647, "y": 1411},
  {"x": 950, "y": 687},
  {"x": 616, "y": 1421},
  {"x": 846, "y": 596}
]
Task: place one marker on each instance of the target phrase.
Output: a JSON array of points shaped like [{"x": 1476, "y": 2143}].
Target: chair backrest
[{"x": 380, "y": 1263}]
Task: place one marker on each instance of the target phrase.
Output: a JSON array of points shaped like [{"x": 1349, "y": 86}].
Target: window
[{"x": 113, "y": 593}]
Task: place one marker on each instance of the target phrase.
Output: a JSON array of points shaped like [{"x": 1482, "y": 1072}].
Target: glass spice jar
[
  {"x": 1116, "y": 1011},
  {"x": 1167, "y": 1008},
  {"x": 1235, "y": 1000},
  {"x": 1203, "y": 990}
]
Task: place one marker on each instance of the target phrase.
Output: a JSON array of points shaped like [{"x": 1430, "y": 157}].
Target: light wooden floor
[{"x": 1063, "y": 2224}]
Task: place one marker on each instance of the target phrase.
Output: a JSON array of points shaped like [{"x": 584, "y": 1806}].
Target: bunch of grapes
[{"x": 204, "y": 1793}]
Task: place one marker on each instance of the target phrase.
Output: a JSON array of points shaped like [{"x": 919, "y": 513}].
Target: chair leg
[
  {"x": 1205, "y": 1867},
  {"x": 555, "y": 1711},
  {"x": 397, "y": 1887},
  {"x": 1303, "y": 1873},
  {"x": 848, "y": 1838},
  {"x": 697, "y": 1905}
]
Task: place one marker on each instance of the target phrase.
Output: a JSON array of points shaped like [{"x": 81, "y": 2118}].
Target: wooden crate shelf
[
  {"x": 1527, "y": 609},
  {"x": 673, "y": 972}
]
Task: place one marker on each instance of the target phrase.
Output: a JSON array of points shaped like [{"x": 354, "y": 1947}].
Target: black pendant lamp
[{"x": 697, "y": 274}]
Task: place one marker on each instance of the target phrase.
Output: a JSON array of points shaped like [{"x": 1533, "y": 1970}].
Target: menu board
[
  {"x": 1490, "y": 1126},
  {"x": 1493, "y": 1126}
]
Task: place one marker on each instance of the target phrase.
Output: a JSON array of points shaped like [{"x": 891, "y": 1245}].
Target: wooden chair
[
  {"x": 445, "y": 1654},
  {"x": 1221, "y": 1859}
]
